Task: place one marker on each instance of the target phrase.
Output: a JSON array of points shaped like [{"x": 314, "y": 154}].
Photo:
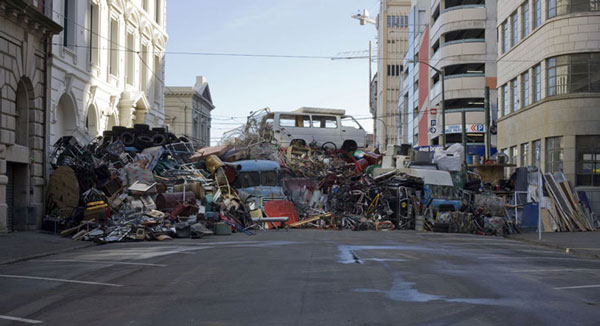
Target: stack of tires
[{"x": 141, "y": 136}]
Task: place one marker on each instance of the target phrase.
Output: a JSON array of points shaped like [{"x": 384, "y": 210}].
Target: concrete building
[
  {"x": 549, "y": 86},
  {"x": 187, "y": 112},
  {"x": 458, "y": 38},
  {"x": 107, "y": 66},
  {"x": 392, "y": 42},
  {"x": 25, "y": 32}
]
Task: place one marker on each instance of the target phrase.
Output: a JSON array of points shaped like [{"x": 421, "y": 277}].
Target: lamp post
[{"x": 442, "y": 106}]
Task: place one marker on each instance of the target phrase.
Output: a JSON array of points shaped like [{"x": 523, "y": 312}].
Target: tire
[
  {"x": 328, "y": 146},
  {"x": 141, "y": 127},
  {"x": 143, "y": 141},
  {"x": 107, "y": 134},
  {"x": 117, "y": 130},
  {"x": 159, "y": 140},
  {"x": 128, "y": 138},
  {"x": 159, "y": 130},
  {"x": 184, "y": 140},
  {"x": 349, "y": 146},
  {"x": 171, "y": 138}
]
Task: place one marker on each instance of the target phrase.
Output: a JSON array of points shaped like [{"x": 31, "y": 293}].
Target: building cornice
[{"x": 27, "y": 16}]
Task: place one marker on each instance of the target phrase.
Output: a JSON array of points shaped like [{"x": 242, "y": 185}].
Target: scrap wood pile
[
  {"x": 121, "y": 187},
  {"x": 565, "y": 210}
]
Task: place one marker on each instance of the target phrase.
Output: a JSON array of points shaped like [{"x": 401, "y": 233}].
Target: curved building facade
[
  {"x": 549, "y": 88},
  {"x": 458, "y": 38}
]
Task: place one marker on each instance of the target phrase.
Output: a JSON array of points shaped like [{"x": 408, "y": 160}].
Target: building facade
[
  {"x": 187, "y": 112},
  {"x": 107, "y": 66},
  {"x": 392, "y": 42},
  {"x": 25, "y": 32},
  {"x": 549, "y": 86},
  {"x": 456, "y": 38}
]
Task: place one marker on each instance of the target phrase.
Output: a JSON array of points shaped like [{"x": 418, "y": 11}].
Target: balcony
[{"x": 458, "y": 18}]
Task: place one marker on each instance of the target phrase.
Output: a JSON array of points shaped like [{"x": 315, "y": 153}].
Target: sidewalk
[
  {"x": 578, "y": 243},
  {"x": 19, "y": 246}
]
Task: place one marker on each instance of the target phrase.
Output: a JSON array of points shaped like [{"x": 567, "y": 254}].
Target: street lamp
[{"x": 442, "y": 106}]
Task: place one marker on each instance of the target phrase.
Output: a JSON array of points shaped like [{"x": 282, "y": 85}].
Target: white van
[{"x": 316, "y": 126}]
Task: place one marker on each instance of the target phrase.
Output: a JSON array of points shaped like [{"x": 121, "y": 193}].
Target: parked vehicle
[
  {"x": 315, "y": 126},
  {"x": 438, "y": 188},
  {"x": 258, "y": 181}
]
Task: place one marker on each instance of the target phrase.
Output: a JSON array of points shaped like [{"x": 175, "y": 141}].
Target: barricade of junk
[{"x": 147, "y": 184}]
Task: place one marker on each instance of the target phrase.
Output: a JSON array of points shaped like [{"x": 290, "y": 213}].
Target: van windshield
[
  {"x": 249, "y": 179},
  {"x": 268, "y": 178}
]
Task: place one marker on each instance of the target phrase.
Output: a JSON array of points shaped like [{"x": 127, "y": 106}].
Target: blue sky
[{"x": 288, "y": 27}]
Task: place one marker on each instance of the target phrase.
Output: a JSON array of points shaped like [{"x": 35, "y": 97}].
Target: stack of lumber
[{"x": 565, "y": 210}]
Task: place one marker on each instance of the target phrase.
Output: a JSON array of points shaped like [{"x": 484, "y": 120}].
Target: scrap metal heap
[{"x": 146, "y": 184}]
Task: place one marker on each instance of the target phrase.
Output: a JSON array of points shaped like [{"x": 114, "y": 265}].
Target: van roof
[
  {"x": 305, "y": 109},
  {"x": 257, "y": 165}
]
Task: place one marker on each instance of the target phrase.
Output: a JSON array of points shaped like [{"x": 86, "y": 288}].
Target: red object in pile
[{"x": 281, "y": 208}]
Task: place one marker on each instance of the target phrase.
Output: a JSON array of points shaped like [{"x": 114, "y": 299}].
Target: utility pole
[
  {"x": 442, "y": 72},
  {"x": 371, "y": 96},
  {"x": 486, "y": 106},
  {"x": 463, "y": 118}
]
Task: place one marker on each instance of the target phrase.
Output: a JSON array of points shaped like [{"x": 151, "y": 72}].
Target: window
[
  {"x": 525, "y": 89},
  {"x": 524, "y": 154},
  {"x": 324, "y": 122},
  {"x": 300, "y": 121},
  {"x": 158, "y": 11},
  {"x": 143, "y": 68},
  {"x": 575, "y": 73},
  {"x": 588, "y": 160},
  {"x": 537, "y": 83},
  {"x": 562, "y": 7},
  {"x": 350, "y": 123},
  {"x": 130, "y": 59},
  {"x": 515, "y": 95},
  {"x": 554, "y": 154},
  {"x": 514, "y": 155},
  {"x": 525, "y": 19},
  {"x": 551, "y": 8},
  {"x": 536, "y": 153},
  {"x": 158, "y": 79},
  {"x": 69, "y": 23},
  {"x": 505, "y": 106},
  {"x": 393, "y": 70},
  {"x": 113, "y": 61},
  {"x": 94, "y": 39},
  {"x": 269, "y": 178},
  {"x": 537, "y": 13},
  {"x": 504, "y": 36},
  {"x": 515, "y": 29}
]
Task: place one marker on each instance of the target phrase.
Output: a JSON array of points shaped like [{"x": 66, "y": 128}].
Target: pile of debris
[{"x": 139, "y": 184}]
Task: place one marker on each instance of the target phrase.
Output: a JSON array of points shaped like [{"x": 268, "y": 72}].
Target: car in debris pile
[
  {"x": 257, "y": 182},
  {"x": 438, "y": 188},
  {"x": 330, "y": 128}
]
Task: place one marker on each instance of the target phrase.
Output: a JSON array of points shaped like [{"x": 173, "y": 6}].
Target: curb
[
  {"x": 575, "y": 252},
  {"x": 45, "y": 254}
]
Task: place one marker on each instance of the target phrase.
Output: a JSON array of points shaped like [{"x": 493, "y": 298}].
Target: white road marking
[
  {"x": 100, "y": 262},
  {"x": 538, "y": 257},
  {"x": 586, "y": 248},
  {"x": 58, "y": 280},
  {"x": 554, "y": 270},
  {"x": 578, "y": 287},
  {"x": 23, "y": 320}
]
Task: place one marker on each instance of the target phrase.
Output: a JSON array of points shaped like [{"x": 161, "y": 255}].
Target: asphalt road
[{"x": 306, "y": 277}]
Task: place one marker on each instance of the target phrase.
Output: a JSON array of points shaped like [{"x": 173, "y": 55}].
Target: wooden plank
[
  {"x": 560, "y": 216},
  {"x": 561, "y": 200},
  {"x": 546, "y": 220},
  {"x": 575, "y": 203}
]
